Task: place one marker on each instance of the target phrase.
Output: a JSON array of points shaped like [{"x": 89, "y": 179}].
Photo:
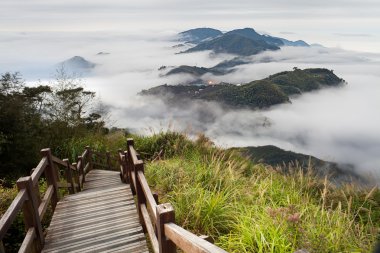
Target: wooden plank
[
  {"x": 85, "y": 170},
  {"x": 99, "y": 219},
  {"x": 150, "y": 229},
  {"x": 92, "y": 214},
  {"x": 100, "y": 226},
  {"x": 79, "y": 204},
  {"x": 45, "y": 201},
  {"x": 188, "y": 242},
  {"x": 30, "y": 210},
  {"x": 12, "y": 212},
  {"x": 134, "y": 156},
  {"x": 93, "y": 241},
  {"x": 148, "y": 195},
  {"x": 84, "y": 154},
  {"x": 39, "y": 170},
  {"x": 165, "y": 214},
  {"x": 58, "y": 161},
  {"x": 51, "y": 176},
  {"x": 28, "y": 240}
]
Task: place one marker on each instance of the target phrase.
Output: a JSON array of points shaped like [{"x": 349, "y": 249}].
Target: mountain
[
  {"x": 258, "y": 94},
  {"x": 195, "y": 71},
  {"x": 253, "y": 35},
  {"x": 275, "y": 156},
  {"x": 198, "y": 35},
  {"x": 297, "y": 43},
  {"x": 233, "y": 44},
  {"x": 222, "y": 68},
  {"x": 77, "y": 63},
  {"x": 204, "y": 35},
  {"x": 298, "y": 81}
]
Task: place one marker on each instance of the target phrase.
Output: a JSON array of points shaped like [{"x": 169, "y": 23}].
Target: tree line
[{"x": 45, "y": 115}]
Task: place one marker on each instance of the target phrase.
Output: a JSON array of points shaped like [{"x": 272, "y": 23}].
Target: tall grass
[{"x": 250, "y": 207}]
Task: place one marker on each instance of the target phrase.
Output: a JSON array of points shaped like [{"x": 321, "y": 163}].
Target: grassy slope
[{"x": 247, "y": 207}]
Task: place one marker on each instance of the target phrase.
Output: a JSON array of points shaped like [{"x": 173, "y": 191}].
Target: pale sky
[
  {"x": 37, "y": 34},
  {"x": 349, "y": 24}
]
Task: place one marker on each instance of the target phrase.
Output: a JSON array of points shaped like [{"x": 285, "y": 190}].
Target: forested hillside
[{"x": 258, "y": 94}]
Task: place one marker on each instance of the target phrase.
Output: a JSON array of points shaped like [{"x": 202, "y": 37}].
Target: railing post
[
  {"x": 165, "y": 214},
  {"x": 109, "y": 160},
  {"x": 89, "y": 155},
  {"x": 69, "y": 176},
  {"x": 51, "y": 176},
  {"x": 30, "y": 211},
  {"x": 77, "y": 179},
  {"x": 80, "y": 169},
  {"x": 36, "y": 190},
  {"x": 123, "y": 163},
  {"x": 130, "y": 143},
  {"x": 140, "y": 193},
  {"x": 2, "y": 248},
  {"x": 155, "y": 196},
  {"x": 128, "y": 167}
]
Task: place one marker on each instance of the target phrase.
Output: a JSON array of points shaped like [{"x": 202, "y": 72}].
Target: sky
[
  {"x": 349, "y": 24},
  {"x": 339, "y": 125}
]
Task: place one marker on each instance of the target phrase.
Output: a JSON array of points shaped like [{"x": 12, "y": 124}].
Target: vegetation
[
  {"x": 273, "y": 90},
  {"x": 285, "y": 160},
  {"x": 298, "y": 81},
  {"x": 248, "y": 207},
  {"x": 197, "y": 35},
  {"x": 233, "y": 44},
  {"x": 48, "y": 115},
  {"x": 245, "y": 206}
]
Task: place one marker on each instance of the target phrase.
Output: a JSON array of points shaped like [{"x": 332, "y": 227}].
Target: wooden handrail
[
  {"x": 168, "y": 235},
  {"x": 188, "y": 242},
  {"x": 28, "y": 240},
  {"x": 39, "y": 170},
  {"x": 148, "y": 195},
  {"x": 28, "y": 198},
  {"x": 157, "y": 220},
  {"x": 150, "y": 229},
  {"x": 45, "y": 201},
  {"x": 12, "y": 212}
]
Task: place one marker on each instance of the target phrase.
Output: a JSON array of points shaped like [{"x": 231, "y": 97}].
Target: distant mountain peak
[
  {"x": 198, "y": 35},
  {"x": 77, "y": 63},
  {"x": 204, "y": 35}
]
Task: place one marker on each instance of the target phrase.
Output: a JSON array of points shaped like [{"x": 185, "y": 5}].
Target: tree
[
  {"x": 48, "y": 115},
  {"x": 20, "y": 126},
  {"x": 69, "y": 101}
]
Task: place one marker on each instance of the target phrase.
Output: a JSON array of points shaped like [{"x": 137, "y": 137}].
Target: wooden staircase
[
  {"x": 106, "y": 210},
  {"x": 101, "y": 218}
]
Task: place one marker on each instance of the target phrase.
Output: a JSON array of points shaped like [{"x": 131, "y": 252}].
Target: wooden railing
[
  {"x": 29, "y": 201},
  {"x": 158, "y": 220}
]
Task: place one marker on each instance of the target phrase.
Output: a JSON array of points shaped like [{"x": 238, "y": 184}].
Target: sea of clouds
[{"x": 335, "y": 124}]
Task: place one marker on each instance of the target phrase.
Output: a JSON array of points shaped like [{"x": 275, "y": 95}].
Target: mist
[{"x": 335, "y": 124}]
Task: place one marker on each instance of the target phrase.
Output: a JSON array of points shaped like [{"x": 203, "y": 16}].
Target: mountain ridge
[{"x": 258, "y": 94}]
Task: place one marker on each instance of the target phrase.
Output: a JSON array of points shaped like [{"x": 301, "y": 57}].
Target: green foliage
[
  {"x": 296, "y": 81},
  {"x": 247, "y": 207},
  {"x": 32, "y": 118},
  {"x": 233, "y": 44},
  {"x": 161, "y": 145},
  {"x": 257, "y": 94}
]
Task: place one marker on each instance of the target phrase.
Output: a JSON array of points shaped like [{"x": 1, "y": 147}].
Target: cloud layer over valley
[{"x": 335, "y": 124}]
